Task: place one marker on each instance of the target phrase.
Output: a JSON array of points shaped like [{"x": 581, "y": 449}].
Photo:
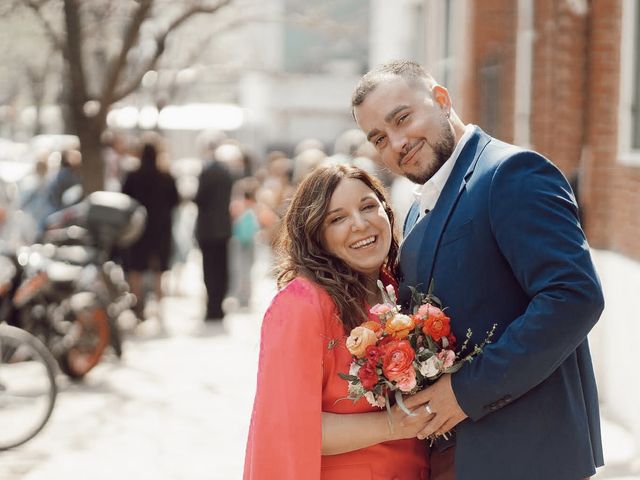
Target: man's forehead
[{"x": 386, "y": 98}]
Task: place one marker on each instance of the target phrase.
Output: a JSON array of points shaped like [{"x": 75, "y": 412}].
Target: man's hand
[{"x": 442, "y": 403}]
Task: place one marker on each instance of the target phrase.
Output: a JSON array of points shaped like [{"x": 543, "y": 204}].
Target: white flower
[
  {"x": 356, "y": 391},
  {"x": 374, "y": 401},
  {"x": 430, "y": 368}
]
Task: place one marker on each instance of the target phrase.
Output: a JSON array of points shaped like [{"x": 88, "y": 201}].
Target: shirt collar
[{"x": 427, "y": 195}]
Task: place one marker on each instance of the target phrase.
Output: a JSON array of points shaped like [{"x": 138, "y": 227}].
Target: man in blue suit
[{"x": 496, "y": 228}]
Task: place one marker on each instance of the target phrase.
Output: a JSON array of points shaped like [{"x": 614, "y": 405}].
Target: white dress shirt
[{"x": 427, "y": 195}]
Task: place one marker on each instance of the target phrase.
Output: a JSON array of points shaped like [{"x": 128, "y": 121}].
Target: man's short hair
[{"x": 410, "y": 71}]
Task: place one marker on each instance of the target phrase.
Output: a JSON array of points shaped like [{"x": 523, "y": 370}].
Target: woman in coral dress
[{"x": 336, "y": 242}]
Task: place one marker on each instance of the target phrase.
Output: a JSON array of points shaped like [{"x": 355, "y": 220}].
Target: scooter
[{"x": 85, "y": 235}]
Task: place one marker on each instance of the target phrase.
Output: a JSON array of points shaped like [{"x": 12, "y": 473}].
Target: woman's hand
[
  {"x": 347, "y": 432},
  {"x": 443, "y": 404},
  {"x": 403, "y": 426}
]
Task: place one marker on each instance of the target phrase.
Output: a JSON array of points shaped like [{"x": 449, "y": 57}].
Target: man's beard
[{"x": 442, "y": 150}]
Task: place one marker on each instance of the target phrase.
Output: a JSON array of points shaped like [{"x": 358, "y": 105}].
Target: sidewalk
[
  {"x": 176, "y": 407},
  {"x": 621, "y": 456}
]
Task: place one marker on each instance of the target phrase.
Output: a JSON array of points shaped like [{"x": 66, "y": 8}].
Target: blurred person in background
[
  {"x": 246, "y": 225},
  {"x": 213, "y": 224},
  {"x": 184, "y": 222},
  {"x": 306, "y": 162},
  {"x": 346, "y": 146},
  {"x": 231, "y": 154},
  {"x": 277, "y": 188},
  {"x": 116, "y": 159},
  {"x": 156, "y": 189},
  {"x": 277, "y": 180},
  {"x": 34, "y": 198},
  {"x": 68, "y": 176},
  {"x": 308, "y": 154}
]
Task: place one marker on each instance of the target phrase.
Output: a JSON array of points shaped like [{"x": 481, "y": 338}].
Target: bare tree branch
[
  {"x": 161, "y": 43},
  {"x": 167, "y": 93},
  {"x": 130, "y": 38},
  {"x": 73, "y": 52},
  {"x": 36, "y": 7}
]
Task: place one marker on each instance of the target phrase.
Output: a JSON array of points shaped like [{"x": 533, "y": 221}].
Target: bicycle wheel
[
  {"x": 91, "y": 337},
  {"x": 27, "y": 386}
]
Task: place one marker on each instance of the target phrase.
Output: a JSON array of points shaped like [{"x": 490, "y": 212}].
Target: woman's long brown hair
[{"x": 299, "y": 243}]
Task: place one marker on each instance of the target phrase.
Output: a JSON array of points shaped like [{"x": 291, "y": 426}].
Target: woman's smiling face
[{"x": 356, "y": 228}]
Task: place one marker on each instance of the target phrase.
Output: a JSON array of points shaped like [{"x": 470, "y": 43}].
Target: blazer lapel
[{"x": 447, "y": 201}]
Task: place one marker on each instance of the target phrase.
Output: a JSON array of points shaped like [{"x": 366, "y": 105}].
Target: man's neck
[{"x": 458, "y": 127}]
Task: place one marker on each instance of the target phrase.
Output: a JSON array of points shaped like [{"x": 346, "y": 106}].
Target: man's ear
[{"x": 441, "y": 96}]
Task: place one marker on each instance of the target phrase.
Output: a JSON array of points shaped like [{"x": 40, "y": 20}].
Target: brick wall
[
  {"x": 558, "y": 83},
  {"x": 574, "y": 103},
  {"x": 489, "y": 84},
  {"x": 608, "y": 194}
]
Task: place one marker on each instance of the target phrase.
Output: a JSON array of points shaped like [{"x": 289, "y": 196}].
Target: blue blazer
[{"x": 504, "y": 245}]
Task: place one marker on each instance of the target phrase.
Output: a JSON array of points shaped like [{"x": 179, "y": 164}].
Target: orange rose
[
  {"x": 436, "y": 323},
  {"x": 374, "y": 327},
  {"x": 397, "y": 360},
  {"x": 359, "y": 339},
  {"x": 399, "y": 326}
]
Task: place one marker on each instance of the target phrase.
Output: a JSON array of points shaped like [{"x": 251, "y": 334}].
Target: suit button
[{"x": 507, "y": 398}]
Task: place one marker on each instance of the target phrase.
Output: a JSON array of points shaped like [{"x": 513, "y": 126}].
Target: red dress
[{"x": 301, "y": 353}]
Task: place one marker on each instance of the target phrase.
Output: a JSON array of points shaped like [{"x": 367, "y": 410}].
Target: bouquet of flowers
[{"x": 404, "y": 352}]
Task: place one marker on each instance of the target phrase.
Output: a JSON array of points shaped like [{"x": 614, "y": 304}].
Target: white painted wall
[
  {"x": 614, "y": 340},
  {"x": 391, "y": 32}
]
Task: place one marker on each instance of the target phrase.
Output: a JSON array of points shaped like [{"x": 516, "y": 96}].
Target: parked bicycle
[
  {"x": 27, "y": 378},
  {"x": 43, "y": 298}
]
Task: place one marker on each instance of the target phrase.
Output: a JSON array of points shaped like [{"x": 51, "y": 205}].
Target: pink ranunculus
[
  {"x": 423, "y": 311},
  {"x": 381, "y": 309},
  {"x": 447, "y": 357},
  {"x": 407, "y": 381}
]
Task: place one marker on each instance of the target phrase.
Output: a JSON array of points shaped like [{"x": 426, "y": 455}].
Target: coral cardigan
[{"x": 302, "y": 351}]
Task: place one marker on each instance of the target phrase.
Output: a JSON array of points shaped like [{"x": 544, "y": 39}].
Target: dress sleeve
[{"x": 285, "y": 436}]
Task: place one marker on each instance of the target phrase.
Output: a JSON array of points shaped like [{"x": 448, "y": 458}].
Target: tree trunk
[{"x": 89, "y": 132}]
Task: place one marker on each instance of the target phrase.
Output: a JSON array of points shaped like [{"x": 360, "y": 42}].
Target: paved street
[{"x": 177, "y": 406}]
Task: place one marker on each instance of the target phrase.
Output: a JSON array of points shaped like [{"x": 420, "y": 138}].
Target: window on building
[
  {"x": 635, "y": 102},
  {"x": 490, "y": 74},
  {"x": 446, "y": 42},
  {"x": 629, "y": 109}
]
